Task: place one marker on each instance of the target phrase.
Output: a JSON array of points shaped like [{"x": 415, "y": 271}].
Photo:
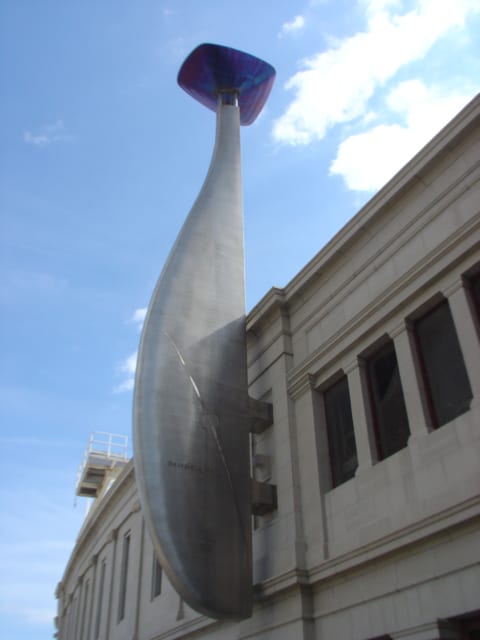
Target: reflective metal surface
[
  {"x": 191, "y": 405},
  {"x": 211, "y": 68}
]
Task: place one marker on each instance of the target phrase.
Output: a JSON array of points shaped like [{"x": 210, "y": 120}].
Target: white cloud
[
  {"x": 126, "y": 385},
  {"x": 40, "y": 615},
  {"x": 138, "y": 317},
  {"x": 293, "y": 26},
  {"x": 129, "y": 364},
  {"x": 336, "y": 85},
  {"x": 367, "y": 160},
  {"x": 39, "y": 140},
  {"x": 127, "y": 369},
  {"x": 48, "y": 133}
]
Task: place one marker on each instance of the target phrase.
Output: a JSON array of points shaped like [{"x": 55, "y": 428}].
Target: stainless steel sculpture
[{"x": 191, "y": 405}]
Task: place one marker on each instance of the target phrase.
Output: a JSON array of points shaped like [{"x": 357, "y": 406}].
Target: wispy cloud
[
  {"x": 295, "y": 25},
  {"x": 49, "y": 133},
  {"x": 335, "y": 86},
  {"x": 138, "y": 317},
  {"x": 127, "y": 370}
]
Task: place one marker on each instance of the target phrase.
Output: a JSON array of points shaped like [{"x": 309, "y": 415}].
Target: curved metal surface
[{"x": 190, "y": 403}]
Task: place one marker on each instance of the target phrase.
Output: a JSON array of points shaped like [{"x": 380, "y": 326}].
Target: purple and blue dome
[{"x": 212, "y": 69}]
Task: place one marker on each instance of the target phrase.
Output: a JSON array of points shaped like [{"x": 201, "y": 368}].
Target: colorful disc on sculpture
[{"x": 212, "y": 69}]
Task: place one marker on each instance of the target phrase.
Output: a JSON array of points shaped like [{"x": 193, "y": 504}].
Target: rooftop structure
[{"x": 105, "y": 453}]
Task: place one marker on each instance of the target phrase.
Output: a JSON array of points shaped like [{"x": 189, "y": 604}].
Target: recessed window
[
  {"x": 156, "y": 577},
  {"x": 100, "y": 598},
  {"x": 446, "y": 381},
  {"x": 341, "y": 438},
  {"x": 122, "y": 596},
  {"x": 388, "y": 404},
  {"x": 84, "y": 609},
  {"x": 475, "y": 293}
]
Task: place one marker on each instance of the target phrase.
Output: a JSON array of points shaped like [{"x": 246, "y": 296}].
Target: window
[
  {"x": 100, "y": 598},
  {"x": 388, "y": 406},
  {"x": 156, "y": 577},
  {"x": 122, "y": 595},
  {"x": 445, "y": 377},
  {"x": 469, "y": 626},
  {"x": 84, "y": 610},
  {"x": 341, "y": 438},
  {"x": 475, "y": 293}
]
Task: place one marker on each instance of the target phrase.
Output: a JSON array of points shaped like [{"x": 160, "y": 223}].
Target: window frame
[
  {"x": 157, "y": 577},
  {"x": 374, "y": 352},
  {"x": 433, "y": 411},
  {"x": 101, "y": 587},
  {"x": 472, "y": 284},
  {"x": 338, "y": 478},
  {"x": 122, "y": 592}
]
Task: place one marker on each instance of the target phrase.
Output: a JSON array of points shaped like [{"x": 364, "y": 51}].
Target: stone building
[{"x": 370, "y": 357}]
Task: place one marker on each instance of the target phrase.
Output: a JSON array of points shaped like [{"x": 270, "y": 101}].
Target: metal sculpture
[{"x": 191, "y": 406}]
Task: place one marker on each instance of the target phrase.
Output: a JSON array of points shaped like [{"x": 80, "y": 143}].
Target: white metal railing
[{"x": 113, "y": 445}]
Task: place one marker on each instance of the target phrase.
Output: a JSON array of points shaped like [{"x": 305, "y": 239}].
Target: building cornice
[
  {"x": 97, "y": 515},
  {"x": 412, "y": 173},
  {"x": 271, "y": 305},
  {"x": 387, "y": 302}
]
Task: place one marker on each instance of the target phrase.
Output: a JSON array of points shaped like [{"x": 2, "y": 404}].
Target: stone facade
[{"x": 390, "y": 546}]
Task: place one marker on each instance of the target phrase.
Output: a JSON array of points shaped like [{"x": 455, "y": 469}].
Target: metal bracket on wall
[
  {"x": 261, "y": 415},
  {"x": 264, "y": 494},
  {"x": 264, "y": 498}
]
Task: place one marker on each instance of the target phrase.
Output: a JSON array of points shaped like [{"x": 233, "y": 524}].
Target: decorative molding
[
  {"x": 436, "y": 523},
  {"x": 353, "y": 365},
  {"x": 360, "y": 321},
  {"x": 136, "y": 507},
  {"x": 98, "y": 513},
  {"x": 435, "y": 629},
  {"x": 303, "y": 385},
  {"x": 391, "y": 192},
  {"x": 453, "y": 287},
  {"x": 113, "y": 534},
  {"x": 273, "y": 300},
  {"x": 384, "y": 254}
]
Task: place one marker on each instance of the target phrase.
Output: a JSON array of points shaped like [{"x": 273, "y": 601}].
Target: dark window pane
[
  {"x": 475, "y": 289},
  {"x": 123, "y": 577},
  {"x": 156, "y": 578},
  {"x": 341, "y": 439},
  {"x": 443, "y": 367},
  {"x": 100, "y": 599},
  {"x": 388, "y": 405},
  {"x": 84, "y": 610}
]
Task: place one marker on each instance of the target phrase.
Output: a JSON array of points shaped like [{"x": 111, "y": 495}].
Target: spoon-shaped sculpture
[{"x": 191, "y": 428}]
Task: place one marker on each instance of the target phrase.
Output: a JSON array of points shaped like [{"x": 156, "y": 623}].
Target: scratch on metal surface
[{"x": 211, "y": 426}]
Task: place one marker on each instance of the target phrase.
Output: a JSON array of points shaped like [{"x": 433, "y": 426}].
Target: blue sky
[{"x": 102, "y": 156}]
